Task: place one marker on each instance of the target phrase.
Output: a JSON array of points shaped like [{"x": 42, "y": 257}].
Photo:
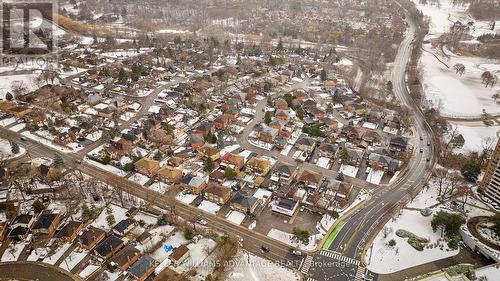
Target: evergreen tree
[
  {"x": 58, "y": 161},
  {"x": 14, "y": 147},
  {"x": 324, "y": 75}
]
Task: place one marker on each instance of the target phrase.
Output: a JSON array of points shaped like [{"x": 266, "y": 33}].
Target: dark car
[{"x": 264, "y": 249}]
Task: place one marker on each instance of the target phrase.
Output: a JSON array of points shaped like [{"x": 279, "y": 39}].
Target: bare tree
[{"x": 459, "y": 68}]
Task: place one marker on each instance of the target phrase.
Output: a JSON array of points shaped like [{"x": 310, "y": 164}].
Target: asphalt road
[{"x": 385, "y": 201}]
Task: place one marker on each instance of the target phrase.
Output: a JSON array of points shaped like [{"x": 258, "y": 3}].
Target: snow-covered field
[
  {"x": 476, "y": 137},
  {"x": 386, "y": 259},
  {"x": 13, "y": 252},
  {"x": 287, "y": 238},
  {"x": 248, "y": 267},
  {"x": 59, "y": 252},
  {"x": 209, "y": 207},
  {"x": 6, "y": 150},
  {"x": 456, "y": 95},
  {"x": 236, "y": 217},
  {"x": 73, "y": 259},
  {"x": 118, "y": 212}
]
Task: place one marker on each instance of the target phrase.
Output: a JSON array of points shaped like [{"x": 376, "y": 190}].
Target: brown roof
[
  {"x": 308, "y": 176},
  {"x": 178, "y": 252},
  {"x": 217, "y": 189}
]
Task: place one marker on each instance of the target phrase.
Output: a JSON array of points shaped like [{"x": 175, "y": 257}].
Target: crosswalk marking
[
  {"x": 359, "y": 274},
  {"x": 338, "y": 256},
  {"x": 306, "y": 264},
  {"x": 311, "y": 279}
]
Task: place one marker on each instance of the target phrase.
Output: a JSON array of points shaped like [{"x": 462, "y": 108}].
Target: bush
[
  {"x": 188, "y": 233},
  {"x": 392, "y": 242}
]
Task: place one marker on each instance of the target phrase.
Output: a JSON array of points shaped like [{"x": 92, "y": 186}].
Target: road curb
[{"x": 348, "y": 213}]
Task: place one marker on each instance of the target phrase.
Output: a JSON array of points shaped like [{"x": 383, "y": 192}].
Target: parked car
[
  {"x": 297, "y": 253},
  {"x": 201, "y": 221}
]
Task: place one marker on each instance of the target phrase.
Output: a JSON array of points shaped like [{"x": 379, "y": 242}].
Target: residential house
[
  {"x": 70, "y": 231},
  {"x": 143, "y": 268},
  {"x": 244, "y": 203},
  {"x": 234, "y": 161},
  {"x": 221, "y": 122},
  {"x": 20, "y": 226},
  {"x": 268, "y": 134},
  {"x": 258, "y": 166},
  {"x": 328, "y": 150},
  {"x": 335, "y": 195},
  {"x": 354, "y": 156},
  {"x": 109, "y": 246},
  {"x": 179, "y": 255},
  {"x": 91, "y": 237},
  {"x": 285, "y": 172},
  {"x": 195, "y": 184},
  {"x": 147, "y": 166},
  {"x": 382, "y": 162},
  {"x": 371, "y": 137},
  {"x": 204, "y": 128},
  {"x": 306, "y": 144},
  {"x": 217, "y": 193},
  {"x": 282, "y": 115},
  {"x": 281, "y": 104},
  {"x": 124, "y": 226},
  {"x": 398, "y": 145},
  {"x": 196, "y": 141},
  {"x": 285, "y": 206},
  {"x": 310, "y": 179},
  {"x": 170, "y": 174},
  {"x": 207, "y": 152},
  {"x": 331, "y": 124},
  {"x": 46, "y": 224},
  {"x": 349, "y": 132},
  {"x": 125, "y": 257}
]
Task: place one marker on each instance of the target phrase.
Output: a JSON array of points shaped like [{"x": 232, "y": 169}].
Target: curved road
[
  {"x": 25, "y": 270},
  {"x": 355, "y": 235}
]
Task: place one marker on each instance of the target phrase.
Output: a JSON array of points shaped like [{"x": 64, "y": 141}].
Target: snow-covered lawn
[
  {"x": 159, "y": 186},
  {"x": 118, "y": 212},
  {"x": 186, "y": 198},
  {"x": 13, "y": 252},
  {"x": 209, "y": 207},
  {"x": 198, "y": 253},
  {"x": 7, "y": 121},
  {"x": 386, "y": 259},
  {"x": 37, "y": 253},
  {"x": 73, "y": 259},
  {"x": 139, "y": 178},
  {"x": 236, "y": 217},
  {"x": 157, "y": 235},
  {"x": 375, "y": 176},
  {"x": 88, "y": 270},
  {"x": 324, "y": 162},
  {"x": 18, "y": 127},
  {"x": 248, "y": 267},
  {"x": 46, "y": 142},
  {"x": 107, "y": 168},
  {"x": 287, "y": 239},
  {"x": 6, "y": 150},
  {"x": 457, "y": 95},
  {"x": 475, "y": 137},
  {"x": 348, "y": 170},
  {"x": 175, "y": 241},
  {"x": 59, "y": 252}
]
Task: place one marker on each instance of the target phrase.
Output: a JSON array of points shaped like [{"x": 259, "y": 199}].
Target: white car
[{"x": 201, "y": 221}]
